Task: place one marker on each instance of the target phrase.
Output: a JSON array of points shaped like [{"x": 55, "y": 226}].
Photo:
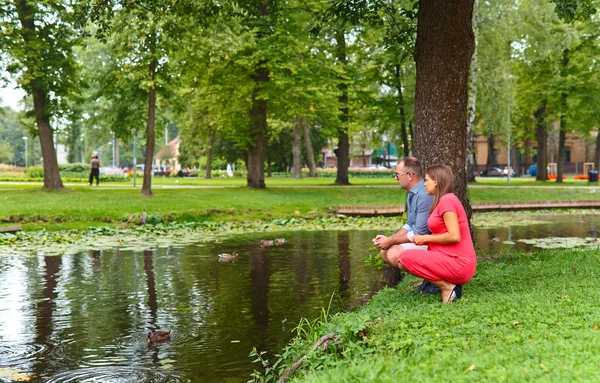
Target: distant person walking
[{"x": 95, "y": 169}]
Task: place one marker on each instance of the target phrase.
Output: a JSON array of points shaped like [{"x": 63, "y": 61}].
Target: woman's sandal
[{"x": 455, "y": 294}]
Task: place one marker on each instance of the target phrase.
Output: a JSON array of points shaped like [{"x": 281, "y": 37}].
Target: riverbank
[
  {"x": 523, "y": 317},
  {"x": 81, "y": 207}
]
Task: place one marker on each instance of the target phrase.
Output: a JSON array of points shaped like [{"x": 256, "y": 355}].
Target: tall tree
[
  {"x": 37, "y": 40},
  {"x": 445, "y": 44}
]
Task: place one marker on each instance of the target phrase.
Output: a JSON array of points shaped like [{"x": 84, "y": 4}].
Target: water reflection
[
  {"x": 85, "y": 317},
  {"x": 580, "y": 226}
]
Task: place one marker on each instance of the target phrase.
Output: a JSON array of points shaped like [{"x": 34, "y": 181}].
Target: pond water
[{"x": 84, "y": 317}]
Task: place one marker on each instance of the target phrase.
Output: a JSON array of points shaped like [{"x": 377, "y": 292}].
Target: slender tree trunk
[
  {"x": 491, "y": 141},
  {"x": 597, "y": 153},
  {"x": 403, "y": 131},
  {"x": 258, "y": 120},
  {"x": 472, "y": 104},
  {"x": 297, "y": 148},
  {"x": 542, "y": 142},
  {"x": 209, "y": 151},
  {"x": 411, "y": 131},
  {"x": 34, "y": 72},
  {"x": 310, "y": 153},
  {"x": 563, "y": 122},
  {"x": 445, "y": 44},
  {"x": 147, "y": 184},
  {"x": 343, "y": 150}
]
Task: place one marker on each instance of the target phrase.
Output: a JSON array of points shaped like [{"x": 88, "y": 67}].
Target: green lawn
[
  {"x": 80, "y": 205},
  {"x": 523, "y": 318}
]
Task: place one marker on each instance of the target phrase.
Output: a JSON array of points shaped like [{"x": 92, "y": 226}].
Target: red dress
[{"x": 454, "y": 263}]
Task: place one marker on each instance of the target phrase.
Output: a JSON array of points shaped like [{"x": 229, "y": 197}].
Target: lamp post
[
  {"x": 508, "y": 131},
  {"x": 25, "y": 138}
]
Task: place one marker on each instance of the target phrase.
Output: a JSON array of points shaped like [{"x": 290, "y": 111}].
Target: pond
[{"x": 84, "y": 317}]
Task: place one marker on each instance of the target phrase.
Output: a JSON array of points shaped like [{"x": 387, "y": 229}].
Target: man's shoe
[{"x": 428, "y": 288}]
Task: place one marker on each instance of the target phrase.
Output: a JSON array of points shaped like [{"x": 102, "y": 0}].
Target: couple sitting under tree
[{"x": 435, "y": 244}]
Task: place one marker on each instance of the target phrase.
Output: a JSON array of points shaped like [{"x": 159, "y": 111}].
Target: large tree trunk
[
  {"x": 147, "y": 184},
  {"x": 445, "y": 44},
  {"x": 40, "y": 99},
  {"x": 258, "y": 130},
  {"x": 343, "y": 150},
  {"x": 403, "y": 131},
  {"x": 310, "y": 153},
  {"x": 472, "y": 104},
  {"x": 297, "y": 148},
  {"x": 491, "y": 141},
  {"x": 258, "y": 120},
  {"x": 541, "y": 134},
  {"x": 209, "y": 151}
]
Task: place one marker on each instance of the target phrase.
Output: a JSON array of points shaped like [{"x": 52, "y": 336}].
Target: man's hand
[{"x": 382, "y": 242}]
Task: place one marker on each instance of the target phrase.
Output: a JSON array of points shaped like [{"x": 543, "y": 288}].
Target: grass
[
  {"x": 79, "y": 206},
  {"x": 527, "y": 317}
]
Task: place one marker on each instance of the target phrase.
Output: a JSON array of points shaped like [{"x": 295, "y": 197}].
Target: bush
[{"x": 332, "y": 173}]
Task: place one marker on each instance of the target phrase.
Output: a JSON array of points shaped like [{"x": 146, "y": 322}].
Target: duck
[
  {"x": 265, "y": 242},
  {"x": 228, "y": 257},
  {"x": 279, "y": 241},
  {"x": 158, "y": 336}
]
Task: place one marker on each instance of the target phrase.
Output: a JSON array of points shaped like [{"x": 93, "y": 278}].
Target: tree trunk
[
  {"x": 310, "y": 153},
  {"x": 258, "y": 120},
  {"x": 445, "y": 44},
  {"x": 343, "y": 150},
  {"x": 491, "y": 141},
  {"x": 561, "y": 153},
  {"x": 597, "y": 154},
  {"x": 209, "y": 151},
  {"x": 147, "y": 184},
  {"x": 403, "y": 131},
  {"x": 40, "y": 99},
  {"x": 542, "y": 142},
  {"x": 472, "y": 103},
  {"x": 560, "y": 162},
  {"x": 297, "y": 148}
]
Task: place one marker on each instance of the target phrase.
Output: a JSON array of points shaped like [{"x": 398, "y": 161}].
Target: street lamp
[{"x": 25, "y": 138}]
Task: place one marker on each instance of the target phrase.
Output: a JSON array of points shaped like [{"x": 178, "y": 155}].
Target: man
[
  {"x": 95, "y": 169},
  {"x": 409, "y": 175}
]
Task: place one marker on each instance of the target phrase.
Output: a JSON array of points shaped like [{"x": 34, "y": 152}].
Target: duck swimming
[
  {"x": 265, "y": 243},
  {"x": 157, "y": 336},
  {"x": 279, "y": 241},
  {"x": 228, "y": 257}
]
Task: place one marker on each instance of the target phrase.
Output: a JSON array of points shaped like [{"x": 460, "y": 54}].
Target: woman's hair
[{"x": 444, "y": 177}]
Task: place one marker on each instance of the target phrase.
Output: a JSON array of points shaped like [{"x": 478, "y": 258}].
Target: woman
[{"x": 450, "y": 260}]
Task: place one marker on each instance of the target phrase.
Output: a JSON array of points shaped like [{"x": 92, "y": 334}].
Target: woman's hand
[{"x": 420, "y": 240}]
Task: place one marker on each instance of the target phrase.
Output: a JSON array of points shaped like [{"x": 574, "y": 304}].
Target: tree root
[{"x": 323, "y": 341}]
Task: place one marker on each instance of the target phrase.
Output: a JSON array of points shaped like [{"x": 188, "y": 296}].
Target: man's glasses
[{"x": 398, "y": 175}]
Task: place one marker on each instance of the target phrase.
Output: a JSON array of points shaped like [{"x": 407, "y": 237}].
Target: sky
[{"x": 9, "y": 96}]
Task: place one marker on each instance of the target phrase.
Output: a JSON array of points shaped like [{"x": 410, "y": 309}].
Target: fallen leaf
[
  {"x": 297, "y": 212},
  {"x": 595, "y": 326},
  {"x": 7, "y": 372},
  {"x": 471, "y": 367},
  {"x": 542, "y": 366},
  {"x": 516, "y": 323},
  {"x": 22, "y": 377}
]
